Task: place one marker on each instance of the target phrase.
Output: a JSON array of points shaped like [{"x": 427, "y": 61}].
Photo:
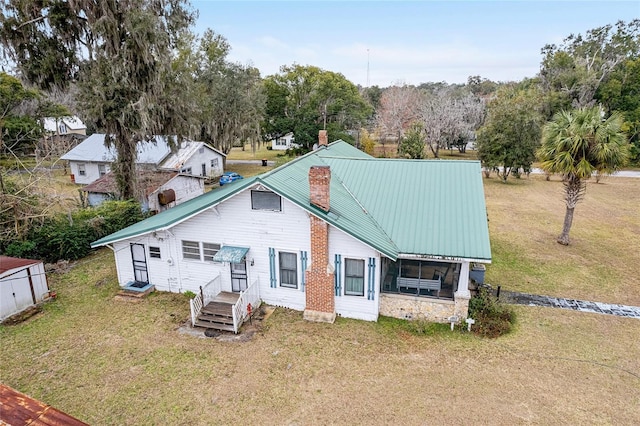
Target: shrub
[
  {"x": 493, "y": 318},
  {"x": 189, "y": 294},
  {"x": 69, "y": 236}
]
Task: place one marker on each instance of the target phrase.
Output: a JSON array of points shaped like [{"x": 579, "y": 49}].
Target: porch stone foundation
[{"x": 421, "y": 308}]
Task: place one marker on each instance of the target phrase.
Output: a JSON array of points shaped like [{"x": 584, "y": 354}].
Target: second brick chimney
[{"x": 323, "y": 139}]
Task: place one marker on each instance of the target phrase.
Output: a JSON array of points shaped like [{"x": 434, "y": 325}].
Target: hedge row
[{"x": 69, "y": 237}]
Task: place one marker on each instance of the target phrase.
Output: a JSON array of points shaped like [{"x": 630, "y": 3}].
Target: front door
[
  {"x": 239, "y": 276},
  {"x": 139, "y": 263}
]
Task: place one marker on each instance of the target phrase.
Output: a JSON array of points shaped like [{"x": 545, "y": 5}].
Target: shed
[{"x": 23, "y": 284}]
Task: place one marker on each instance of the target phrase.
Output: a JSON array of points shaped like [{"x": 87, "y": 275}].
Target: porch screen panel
[
  {"x": 354, "y": 277},
  {"x": 272, "y": 268},
  {"x": 303, "y": 267},
  {"x": 288, "y": 270}
]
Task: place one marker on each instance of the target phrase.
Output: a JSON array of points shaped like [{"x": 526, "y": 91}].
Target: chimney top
[
  {"x": 322, "y": 138},
  {"x": 319, "y": 187}
]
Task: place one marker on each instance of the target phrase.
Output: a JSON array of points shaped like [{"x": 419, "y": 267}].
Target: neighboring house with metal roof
[
  {"x": 159, "y": 190},
  {"x": 334, "y": 232},
  {"x": 59, "y": 126},
  {"x": 91, "y": 159},
  {"x": 23, "y": 284}
]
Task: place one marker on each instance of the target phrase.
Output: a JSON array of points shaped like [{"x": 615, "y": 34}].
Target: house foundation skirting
[
  {"x": 318, "y": 316},
  {"x": 422, "y": 308}
]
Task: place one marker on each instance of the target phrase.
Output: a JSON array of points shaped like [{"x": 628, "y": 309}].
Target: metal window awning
[{"x": 231, "y": 254}]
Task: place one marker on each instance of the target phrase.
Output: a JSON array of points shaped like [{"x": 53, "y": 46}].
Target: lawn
[{"x": 112, "y": 362}]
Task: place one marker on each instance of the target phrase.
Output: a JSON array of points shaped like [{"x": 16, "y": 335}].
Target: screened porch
[{"x": 424, "y": 278}]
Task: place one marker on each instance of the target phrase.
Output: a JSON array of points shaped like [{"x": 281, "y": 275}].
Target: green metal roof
[
  {"x": 177, "y": 214},
  {"x": 426, "y": 208}
]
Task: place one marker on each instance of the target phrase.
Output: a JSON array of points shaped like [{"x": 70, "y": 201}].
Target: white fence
[
  {"x": 207, "y": 293},
  {"x": 249, "y": 297}
]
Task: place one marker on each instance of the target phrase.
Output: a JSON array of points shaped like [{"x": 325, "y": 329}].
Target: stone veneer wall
[{"x": 422, "y": 308}]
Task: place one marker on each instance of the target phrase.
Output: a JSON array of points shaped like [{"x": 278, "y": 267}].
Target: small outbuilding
[{"x": 23, "y": 284}]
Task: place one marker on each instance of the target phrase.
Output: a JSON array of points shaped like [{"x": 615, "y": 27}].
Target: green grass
[{"x": 112, "y": 362}]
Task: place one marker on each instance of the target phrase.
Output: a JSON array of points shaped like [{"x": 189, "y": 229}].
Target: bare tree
[
  {"x": 399, "y": 107},
  {"x": 449, "y": 120}
]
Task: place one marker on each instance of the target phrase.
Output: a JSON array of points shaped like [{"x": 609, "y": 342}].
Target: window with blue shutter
[
  {"x": 372, "y": 278},
  {"x": 303, "y": 268},
  {"x": 337, "y": 274}
]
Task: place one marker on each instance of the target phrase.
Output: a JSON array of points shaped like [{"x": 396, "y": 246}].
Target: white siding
[
  {"x": 185, "y": 188},
  {"x": 198, "y": 159},
  {"x": 15, "y": 290},
  {"x": 348, "y": 247},
  {"x": 234, "y": 223},
  {"x": 91, "y": 171}
]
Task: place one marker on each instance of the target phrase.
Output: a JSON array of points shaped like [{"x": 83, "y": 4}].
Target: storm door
[
  {"x": 239, "y": 276},
  {"x": 139, "y": 263}
]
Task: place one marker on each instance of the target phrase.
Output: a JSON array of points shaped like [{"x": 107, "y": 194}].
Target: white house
[
  {"x": 91, "y": 159},
  {"x": 23, "y": 284},
  {"x": 334, "y": 232},
  {"x": 284, "y": 142},
  {"x": 159, "y": 189},
  {"x": 60, "y": 126}
]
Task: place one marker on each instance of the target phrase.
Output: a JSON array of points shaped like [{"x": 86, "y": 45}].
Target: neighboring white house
[
  {"x": 159, "y": 189},
  {"x": 91, "y": 159},
  {"x": 334, "y": 232},
  {"x": 284, "y": 142},
  {"x": 23, "y": 284},
  {"x": 196, "y": 158},
  {"x": 64, "y": 126}
]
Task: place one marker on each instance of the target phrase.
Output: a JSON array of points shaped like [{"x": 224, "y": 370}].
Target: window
[
  {"x": 214, "y": 163},
  {"x": 191, "y": 250},
  {"x": 63, "y": 128},
  {"x": 154, "y": 252},
  {"x": 354, "y": 277},
  {"x": 265, "y": 200},
  {"x": 204, "y": 169},
  {"x": 82, "y": 170},
  {"x": 209, "y": 250},
  {"x": 102, "y": 169},
  {"x": 201, "y": 150},
  {"x": 288, "y": 270},
  {"x": 186, "y": 170}
]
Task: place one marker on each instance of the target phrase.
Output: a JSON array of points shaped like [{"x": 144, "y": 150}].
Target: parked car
[{"x": 228, "y": 177}]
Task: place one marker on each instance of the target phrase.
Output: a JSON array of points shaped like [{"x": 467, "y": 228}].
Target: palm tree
[{"x": 577, "y": 143}]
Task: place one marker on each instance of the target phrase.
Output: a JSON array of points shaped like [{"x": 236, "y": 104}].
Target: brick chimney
[
  {"x": 323, "y": 139},
  {"x": 320, "y": 303},
  {"x": 319, "y": 184}
]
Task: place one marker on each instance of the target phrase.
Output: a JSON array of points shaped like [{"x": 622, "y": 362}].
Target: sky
[{"x": 404, "y": 42}]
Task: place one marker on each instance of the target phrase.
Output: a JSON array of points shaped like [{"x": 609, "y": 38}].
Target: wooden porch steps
[{"x": 217, "y": 314}]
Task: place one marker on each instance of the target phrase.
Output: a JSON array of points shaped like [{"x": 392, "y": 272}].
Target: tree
[
  {"x": 367, "y": 142},
  {"x": 230, "y": 97},
  {"x": 398, "y": 108},
  {"x": 412, "y": 144},
  {"x": 575, "y": 69},
  {"x": 508, "y": 140},
  {"x": 621, "y": 92},
  {"x": 121, "y": 55},
  {"x": 306, "y": 99},
  {"x": 450, "y": 118},
  {"x": 576, "y": 144}
]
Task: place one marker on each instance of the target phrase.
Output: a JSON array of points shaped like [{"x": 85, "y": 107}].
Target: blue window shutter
[
  {"x": 303, "y": 266},
  {"x": 372, "y": 278},
  {"x": 337, "y": 274},
  {"x": 272, "y": 267}
]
